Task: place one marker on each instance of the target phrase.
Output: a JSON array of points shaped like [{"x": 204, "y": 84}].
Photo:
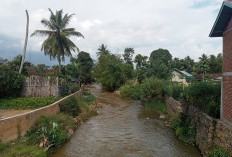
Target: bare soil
[{"x": 10, "y": 113}]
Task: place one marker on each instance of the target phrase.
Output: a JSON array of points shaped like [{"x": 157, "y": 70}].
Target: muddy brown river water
[{"x": 122, "y": 129}]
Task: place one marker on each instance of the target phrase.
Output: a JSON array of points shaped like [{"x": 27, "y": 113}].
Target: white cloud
[{"x": 145, "y": 25}]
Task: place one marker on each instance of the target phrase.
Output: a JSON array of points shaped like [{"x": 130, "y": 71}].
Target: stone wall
[
  {"x": 210, "y": 132},
  {"x": 35, "y": 86},
  {"x": 12, "y": 127}
]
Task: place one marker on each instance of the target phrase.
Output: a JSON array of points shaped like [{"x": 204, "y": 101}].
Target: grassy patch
[
  {"x": 219, "y": 152},
  {"x": 23, "y": 151},
  {"x": 183, "y": 129},
  {"x": 158, "y": 106},
  {"x": 25, "y": 103}
]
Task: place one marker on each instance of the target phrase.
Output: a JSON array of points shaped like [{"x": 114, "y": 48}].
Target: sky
[{"x": 181, "y": 26}]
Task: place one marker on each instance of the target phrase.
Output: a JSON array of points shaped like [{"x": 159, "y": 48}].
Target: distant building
[
  {"x": 214, "y": 77},
  {"x": 180, "y": 76}
]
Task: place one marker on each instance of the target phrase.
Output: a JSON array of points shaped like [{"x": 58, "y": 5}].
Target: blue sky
[{"x": 181, "y": 26}]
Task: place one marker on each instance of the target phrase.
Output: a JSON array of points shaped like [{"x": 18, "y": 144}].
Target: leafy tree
[
  {"x": 70, "y": 71},
  {"x": 102, "y": 50},
  {"x": 10, "y": 81},
  {"x": 127, "y": 70},
  {"x": 111, "y": 72},
  {"x": 85, "y": 65},
  {"x": 162, "y": 56},
  {"x": 128, "y": 54},
  {"x": 185, "y": 64},
  {"x": 41, "y": 69},
  {"x": 3, "y": 60},
  {"x": 215, "y": 63},
  {"x": 58, "y": 45},
  {"x": 158, "y": 70},
  {"x": 203, "y": 65},
  {"x": 141, "y": 61},
  {"x": 112, "y": 77},
  {"x": 141, "y": 64},
  {"x": 15, "y": 65}
]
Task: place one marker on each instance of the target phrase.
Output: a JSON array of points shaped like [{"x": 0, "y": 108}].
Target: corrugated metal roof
[
  {"x": 222, "y": 20},
  {"x": 185, "y": 73},
  {"x": 182, "y": 72}
]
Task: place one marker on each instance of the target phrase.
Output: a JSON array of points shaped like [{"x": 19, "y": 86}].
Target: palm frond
[
  {"x": 42, "y": 33},
  {"x": 73, "y": 33},
  {"x": 47, "y": 24},
  {"x": 65, "y": 21}
]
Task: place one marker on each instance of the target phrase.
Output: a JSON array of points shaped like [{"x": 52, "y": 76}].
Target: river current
[{"x": 124, "y": 129}]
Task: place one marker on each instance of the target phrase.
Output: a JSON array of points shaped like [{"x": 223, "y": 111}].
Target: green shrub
[
  {"x": 53, "y": 127},
  {"x": 130, "y": 92},
  {"x": 206, "y": 96},
  {"x": 68, "y": 88},
  {"x": 219, "y": 152},
  {"x": 70, "y": 106},
  {"x": 177, "y": 91},
  {"x": 26, "y": 103},
  {"x": 152, "y": 90},
  {"x": 10, "y": 82},
  {"x": 183, "y": 129}
]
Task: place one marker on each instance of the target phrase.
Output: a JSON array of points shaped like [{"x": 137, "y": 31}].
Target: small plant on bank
[
  {"x": 70, "y": 106},
  {"x": 219, "y": 152},
  {"x": 51, "y": 131},
  {"x": 157, "y": 106},
  {"x": 183, "y": 129},
  {"x": 130, "y": 92}
]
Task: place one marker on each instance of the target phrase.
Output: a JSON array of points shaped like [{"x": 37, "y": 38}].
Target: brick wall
[
  {"x": 226, "y": 112},
  {"x": 12, "y": 127}
]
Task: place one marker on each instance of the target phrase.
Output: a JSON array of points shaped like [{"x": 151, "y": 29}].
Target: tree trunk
[
  {"x": 25, "y": 44},
  {"x": 59, "y": 65}
]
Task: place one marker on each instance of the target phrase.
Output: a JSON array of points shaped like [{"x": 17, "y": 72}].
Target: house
[
  {"x": 217, "y": 77},
  {"x": 180, "y": 76},
  {"x": 223, "y": 28}
]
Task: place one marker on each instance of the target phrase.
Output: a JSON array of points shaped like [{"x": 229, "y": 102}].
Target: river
[{"x": 124, "y": 129}]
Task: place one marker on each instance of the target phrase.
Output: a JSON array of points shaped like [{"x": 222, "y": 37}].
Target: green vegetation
[
  {"x": 54, "y": 129},
  {"x": 10, "y": 81},
  {"x": 25, "y": 103},
  {"x": 130, "y": 92},
  {"x": 8, "y": 150},
  {"x": 70, "y": 106},
  {"x": 184, "y": 130},
  {"x": 219, "y": 152},
  {"x": 52, "y": 132},
  {"x": 157, "y": 106},
  {"x": 206, "y": 96}
]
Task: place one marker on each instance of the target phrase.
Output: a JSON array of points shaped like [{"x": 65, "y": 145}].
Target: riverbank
[{"x": 51, "y": 132}]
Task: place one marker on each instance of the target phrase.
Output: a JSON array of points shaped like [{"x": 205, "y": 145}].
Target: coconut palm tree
[
  {"x": 102, "y": 50},
  {"x": 58, "y": 45}
]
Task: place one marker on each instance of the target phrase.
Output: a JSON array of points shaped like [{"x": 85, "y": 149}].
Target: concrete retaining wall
[
  {"x": 12, "y": 127},
  {"x": 211, "y": 132}
]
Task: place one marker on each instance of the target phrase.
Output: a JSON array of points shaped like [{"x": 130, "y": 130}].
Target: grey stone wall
[
  {"x": 35, "y": 86},
  {"x": 210, "y": 132}
]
